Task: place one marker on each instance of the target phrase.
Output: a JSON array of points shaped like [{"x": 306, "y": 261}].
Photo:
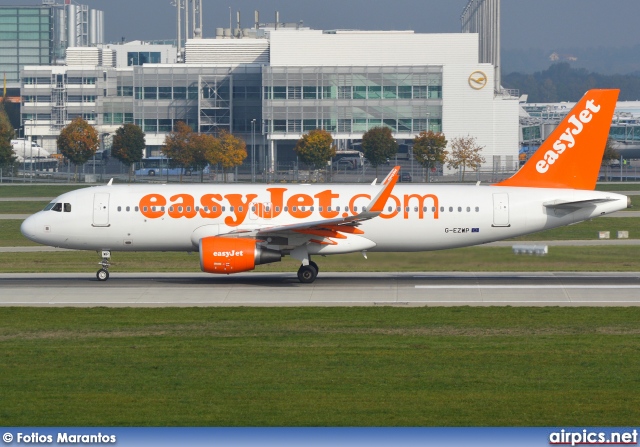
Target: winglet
[
  {"x": 572, "y": 155},
  {"x": 110, "y": 182},
  {"x": 378, "y": 202}
]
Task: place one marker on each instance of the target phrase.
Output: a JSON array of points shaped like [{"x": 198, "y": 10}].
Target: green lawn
[
  {"x": 320, "y": 367},
  {"x": 9, "y": 190},
  {"x": 622, "y": 186},
  {"x": 474, "y": 259},
  {"x": 21, "y": 207},
  {"x": 588, "y": 230}
]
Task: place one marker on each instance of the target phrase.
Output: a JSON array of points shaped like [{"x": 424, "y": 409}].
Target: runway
[{"x": 330, "y": 289}]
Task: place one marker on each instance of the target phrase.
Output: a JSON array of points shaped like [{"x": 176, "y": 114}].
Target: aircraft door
[
  {"x": 101, "y": 210},
  {"x": 501, "y": 210}
]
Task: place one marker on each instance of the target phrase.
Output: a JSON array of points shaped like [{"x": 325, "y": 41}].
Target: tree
[
  {"x": 205, "y": 150},
  {"x": 177, "y": 146},
  {"x": 378, "y": 146},
  {"x": 610, "y": 154},
  {"x": 128, "y": 145},
  {"x": 7, "y": 157},
  {"x": 78, "y": 142},
  {"x": 465, "y": 152},
  {"x": 429, "y": 150},
  {"x": 316, "y": 148},
  {"x": 232, "y": 153}
]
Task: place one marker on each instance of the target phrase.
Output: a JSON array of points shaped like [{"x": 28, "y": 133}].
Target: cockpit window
[
  {"x": 67, "y": 207},
  {"x": 49, "y": 206},
  {"x": 57, "y": 207}
]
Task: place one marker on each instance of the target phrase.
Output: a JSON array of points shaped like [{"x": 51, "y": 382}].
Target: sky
[{"x": 543, "y": 24}]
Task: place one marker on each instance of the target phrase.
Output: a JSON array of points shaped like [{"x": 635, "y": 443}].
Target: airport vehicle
[
  {"x": 24, "y": 149},
  {"x": 153, "y": 166},
  {"x": 237, "y": 227}
]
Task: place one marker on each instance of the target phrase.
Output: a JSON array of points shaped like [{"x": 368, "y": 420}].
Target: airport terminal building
[{"x": 273, "y": 85}]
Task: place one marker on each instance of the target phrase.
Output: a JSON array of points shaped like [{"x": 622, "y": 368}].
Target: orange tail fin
[{"x": 572, "y": 155}]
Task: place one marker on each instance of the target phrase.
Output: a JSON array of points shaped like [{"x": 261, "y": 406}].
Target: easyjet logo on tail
[{"x": 567, "y": 140}]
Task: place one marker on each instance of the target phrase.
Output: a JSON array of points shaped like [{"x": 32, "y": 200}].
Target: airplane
[
  {"x": 23, "y": 149},
  {"x": 234, "y": 228}
]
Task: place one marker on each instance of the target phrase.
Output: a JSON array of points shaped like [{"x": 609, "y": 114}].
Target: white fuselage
[
  {"x": 24, "y": 149},
  {"x": 415, "y": 218}
]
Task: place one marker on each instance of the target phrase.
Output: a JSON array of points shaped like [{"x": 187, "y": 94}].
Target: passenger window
[
  {"x": 459, "y": 209},
  {"x": 355, "y": 209},
  {"x": 189, "y": 209},
  {"x": 170, "y": 209},
  {"x": 451, "y": 209},
  {"x": 319, "y": 209},
  {"x": 337, "y": 208},
  {"x": 477, "y": 209},
  {"x": 57, "y": 207},
  {"x": 128, "y": 209},
  {"x": 277, "y": 209},
  {"x": 311, "y": 209},
  {"x": 239, "y": 209},
  {"x": 415, "y": 209},
  {"x": 223, "y": 209},
  {"x": 253, "y": 209},
  {"x": 398, "y": 209},
  {"x": 179, "y": 209},
  {"x": 120, "y": 209},
  {"x": 346, "y": 208},
  {"x": 67, "y": 207},
  {"x": 145, "y": 208},
  {"x": 433, "y": 209},
  {"x": 407, "y": 209},
  {"x": 303, "y": 208},
  {"x": 286, "y": 209},
  {"x": 468, "y": 209},
  {"x": 424, "y": 209},
  {"x": 364, "y": 209},
  {"x": 230, "y": 209},
  {"x": 294, "y": 208},
  {"x": 442, "y": 209}
]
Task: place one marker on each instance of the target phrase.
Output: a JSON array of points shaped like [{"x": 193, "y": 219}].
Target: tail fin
[{"x": 572, "y": 155}]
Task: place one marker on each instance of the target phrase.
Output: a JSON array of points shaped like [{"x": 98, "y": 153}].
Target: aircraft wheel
[
  {"x": 307, "y": 274},
  {"x": 102, "y": 275},
  {"x": 315, "y": 266}
]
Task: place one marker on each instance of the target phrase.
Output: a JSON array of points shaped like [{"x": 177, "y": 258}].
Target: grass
[
  {"x": 319, "y": 367},
  {"x": 587, "y": 230},
  {"x": 622, "y": 186},
  {"x": 17, "y": 190},
  {"x": 21, "y": 207},
  {"x": 474, "y": 259}
]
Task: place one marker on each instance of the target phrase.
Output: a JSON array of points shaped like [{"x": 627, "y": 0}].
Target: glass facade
[
  {"x": 349, "y": 101},
  {"x": 26, "y": 38}
]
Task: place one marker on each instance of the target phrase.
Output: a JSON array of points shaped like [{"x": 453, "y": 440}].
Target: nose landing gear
[{"x": 103, "y": 273}]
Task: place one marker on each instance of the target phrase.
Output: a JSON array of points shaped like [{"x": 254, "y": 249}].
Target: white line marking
[{"x": 532, "y": 286}]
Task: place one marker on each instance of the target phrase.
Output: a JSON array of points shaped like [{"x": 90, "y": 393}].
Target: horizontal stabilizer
[{"x": 576, "y": 203}]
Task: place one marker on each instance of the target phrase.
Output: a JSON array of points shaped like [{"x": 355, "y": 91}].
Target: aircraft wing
[{"x": 329, "y": 227}]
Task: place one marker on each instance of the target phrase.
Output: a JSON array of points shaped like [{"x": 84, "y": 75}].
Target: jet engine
[{"x": 233, "y": 255}]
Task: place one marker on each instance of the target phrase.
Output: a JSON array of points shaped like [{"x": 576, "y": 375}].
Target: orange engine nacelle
[{"x": 233, "y": 255}]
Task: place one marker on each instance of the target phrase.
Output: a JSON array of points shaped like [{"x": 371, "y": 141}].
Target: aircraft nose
[{"x": 29, "y": 227}]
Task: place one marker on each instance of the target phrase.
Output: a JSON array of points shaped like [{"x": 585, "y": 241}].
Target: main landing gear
[
  {"x": 308, "y": 273},
  {"x": 103, "y": 273}
]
